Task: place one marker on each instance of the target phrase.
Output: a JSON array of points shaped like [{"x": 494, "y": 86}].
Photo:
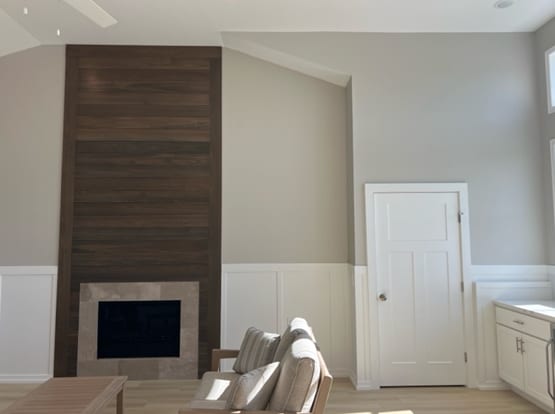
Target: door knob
[{"x": 382, "y": 297}]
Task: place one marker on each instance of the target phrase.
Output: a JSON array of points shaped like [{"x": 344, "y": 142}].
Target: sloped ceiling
[{"x": 201, "y": 22}]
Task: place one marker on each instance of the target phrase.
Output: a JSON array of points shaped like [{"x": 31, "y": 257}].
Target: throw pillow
[
  {"x": 253, "y": 390},
  {"x": 257, "y": 349}
]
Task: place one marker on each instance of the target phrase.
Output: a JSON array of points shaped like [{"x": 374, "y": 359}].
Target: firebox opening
[{"x": 139, "y": 329}]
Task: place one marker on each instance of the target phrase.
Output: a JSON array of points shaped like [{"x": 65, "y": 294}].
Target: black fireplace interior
[{"x": 139, "y": 329}]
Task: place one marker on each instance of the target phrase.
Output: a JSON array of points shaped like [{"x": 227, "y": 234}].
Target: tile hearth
[{"x": 183, "y": 367}]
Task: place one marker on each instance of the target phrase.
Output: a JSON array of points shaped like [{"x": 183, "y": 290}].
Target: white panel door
[{"x": 418, "y": 261}]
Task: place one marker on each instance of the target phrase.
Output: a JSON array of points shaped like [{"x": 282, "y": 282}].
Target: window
[{"x": 550, "y": 71}]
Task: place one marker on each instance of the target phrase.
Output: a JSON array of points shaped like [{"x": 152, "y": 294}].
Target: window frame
[{"x": 550, "y": 82}]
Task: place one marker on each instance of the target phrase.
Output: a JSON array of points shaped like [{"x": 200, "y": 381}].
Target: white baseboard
[{"x": 492, "y": 386}]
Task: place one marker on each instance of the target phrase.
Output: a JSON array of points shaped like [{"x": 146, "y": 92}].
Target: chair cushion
[
  {"x": 216, "y": 386},
  {"x": 298, "y": 379},
  {"x": 296, "y": 327},
  {"x": 253, "y": 390},
  {"x": 257, "y": 349}
]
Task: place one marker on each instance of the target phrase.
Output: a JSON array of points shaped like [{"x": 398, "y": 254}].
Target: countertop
[{"x": 541, "y": 309}]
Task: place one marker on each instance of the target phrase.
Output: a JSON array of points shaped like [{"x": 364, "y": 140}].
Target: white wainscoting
[
  {"x": 268, "y": 296},
  {"x": 490, "y": 282},
  {"x": 27, "y": 321}
]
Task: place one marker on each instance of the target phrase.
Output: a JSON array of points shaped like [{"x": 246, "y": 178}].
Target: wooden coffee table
[{"x": 78, "y": 395}]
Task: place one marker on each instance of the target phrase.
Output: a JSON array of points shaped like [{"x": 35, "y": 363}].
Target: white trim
[
  {"x": 552, "y": 161},
  {"x": 29, "y": 270},
  {"x": 364, "y": 341},
  {"x": 550, "y": 104},
  {"x": 280, "y": 267},
  {"x": 372, "y": 327},
  {"x": 234, "y": 41},
  {"x": 24, "y": 379},
  {"x": 509, "y": 273}
]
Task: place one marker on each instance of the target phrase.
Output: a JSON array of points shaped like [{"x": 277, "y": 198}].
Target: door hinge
[
  {"x": 459, "y": 216},
  {"x": 465, "y": 357},
  {"x": 462, "y": 286}
]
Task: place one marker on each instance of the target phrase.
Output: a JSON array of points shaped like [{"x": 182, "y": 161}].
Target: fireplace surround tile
[{"x": 183, "y": 367}]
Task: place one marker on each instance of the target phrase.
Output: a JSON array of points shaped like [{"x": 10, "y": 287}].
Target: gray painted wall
[
  {"x": 444, "y": 107},
  {"x": 545, "y": 40},
  {"x": 284, "y": 196},
  {"x": 425, "y": 108},
  {"x": 31, "y": 117}
]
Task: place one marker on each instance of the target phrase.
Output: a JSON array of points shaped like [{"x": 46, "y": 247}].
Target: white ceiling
[{"x": 201, "y": 22}]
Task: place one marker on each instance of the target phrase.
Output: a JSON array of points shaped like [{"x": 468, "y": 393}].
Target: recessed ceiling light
[
  {"x": 503, "y": 4},
  {"x": 25, "y": 10},
  {"x": 58, "y": 32}
]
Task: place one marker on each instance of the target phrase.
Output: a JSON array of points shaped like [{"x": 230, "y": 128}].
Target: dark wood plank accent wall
[{"x": 141, "y": 179}]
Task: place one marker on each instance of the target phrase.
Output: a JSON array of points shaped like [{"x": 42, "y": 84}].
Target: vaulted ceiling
[{"x": 201, "y": 22}]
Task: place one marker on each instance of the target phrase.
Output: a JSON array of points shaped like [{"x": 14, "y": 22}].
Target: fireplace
[
  {"x": 138, "y": 329},
  {"x": 145, "y": 330}
]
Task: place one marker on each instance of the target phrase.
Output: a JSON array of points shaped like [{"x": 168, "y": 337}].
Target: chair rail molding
[{"x": 27, "y": 322}]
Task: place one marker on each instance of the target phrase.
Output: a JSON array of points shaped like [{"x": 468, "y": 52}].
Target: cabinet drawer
[{"x": 523, "y": 323}]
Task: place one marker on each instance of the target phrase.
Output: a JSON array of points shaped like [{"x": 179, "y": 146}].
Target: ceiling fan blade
[{"x": 93, "y": 11}]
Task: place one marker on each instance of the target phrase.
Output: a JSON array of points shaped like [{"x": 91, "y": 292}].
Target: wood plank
[
  {"x": 138, "y": 196},
  {"x": 215, "y": 266},
  {"x": 61, "y": 347},
  {"x": 98, "y": 76},
  {"x": 152, "y": 221},
  {"x": 160, "y": 62},
  {"x": 143, "y": 135},
  {"x": 133, "y": 98},
  {"x": 143, "y": 110},
  {"x": 142, "y": 148},
  {"x": 142, "y": 122},
  {"x": 188, "y": 185},
  {"x": 133, "y": 52},
  {"x": 146, "y": 87},
  {"x": 140, "y": 209}
]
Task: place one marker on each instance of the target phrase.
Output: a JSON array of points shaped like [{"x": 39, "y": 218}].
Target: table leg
[{"x": 119, "y": 409}]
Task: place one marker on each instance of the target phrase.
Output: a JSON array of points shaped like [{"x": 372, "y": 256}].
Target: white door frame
[{"x": 372, "y": 326}]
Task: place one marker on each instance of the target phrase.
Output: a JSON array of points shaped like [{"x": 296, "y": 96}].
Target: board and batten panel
[
  {"x": 268, "y": 296},
  {"x": 27, "y": 312},
  {"x": 484, "y": 295}
]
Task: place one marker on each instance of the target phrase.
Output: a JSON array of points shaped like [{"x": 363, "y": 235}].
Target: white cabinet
[
  {"x": 522, "y": 357},
  {"x": 535, "y": 371},
  {"x": 511, "y": 366}
]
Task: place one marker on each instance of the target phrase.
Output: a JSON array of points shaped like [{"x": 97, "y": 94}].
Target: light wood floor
[{"x": 166, "y": 397}]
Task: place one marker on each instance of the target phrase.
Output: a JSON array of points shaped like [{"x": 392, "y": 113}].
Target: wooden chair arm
[{"x": 219, "y": 354}]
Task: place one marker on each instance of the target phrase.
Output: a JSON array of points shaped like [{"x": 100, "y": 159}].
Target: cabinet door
[
  {"x": 535, "y": 371},
  {"x": 509, "y": 359}
]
